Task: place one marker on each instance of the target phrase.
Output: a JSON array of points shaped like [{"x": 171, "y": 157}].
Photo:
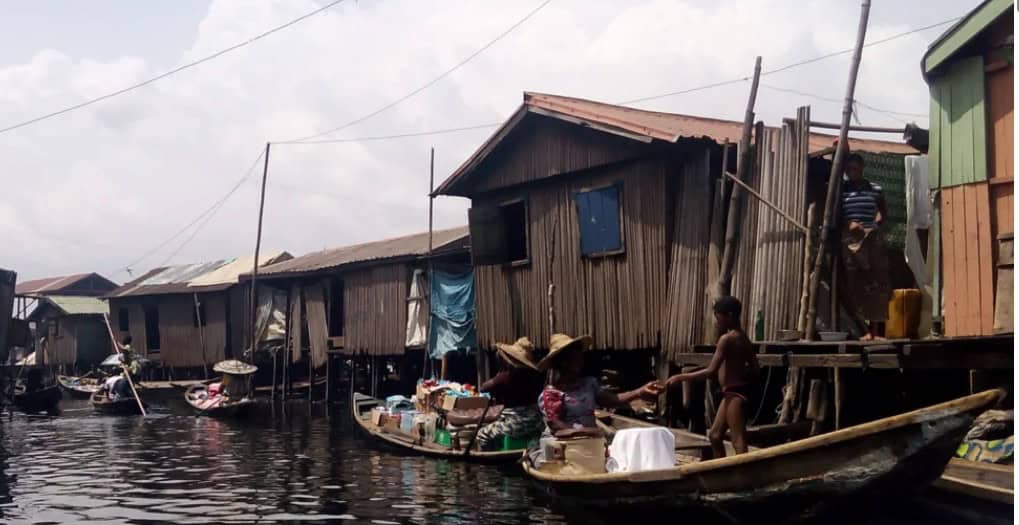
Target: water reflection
[{"x": 301, "y": 466}]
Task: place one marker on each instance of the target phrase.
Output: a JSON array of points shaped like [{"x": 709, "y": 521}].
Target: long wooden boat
[
  {"x": 362, "y": 405},
  {"x": 42, "y": 400},
  {"x": 988, "y": 482},
  {"x": 224, "y": 408},
  {"x": 124, "y": 406},
  {"x": 78, "y": 387},
  {"x": 883, "y": 458}
]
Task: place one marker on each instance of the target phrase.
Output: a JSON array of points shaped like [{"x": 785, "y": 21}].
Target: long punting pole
[
  {"x": 724, "y": 284},
  {"x": 836, "y": 169},
  {"x": 127, "y": 374},
  {"x": 428, "y": 293},
  {"x": 258, "y": 246}
]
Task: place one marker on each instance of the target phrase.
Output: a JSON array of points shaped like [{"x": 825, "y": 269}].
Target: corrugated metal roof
[
  {"x": 406, "y": 246},
  {"x": 79, "y": 305},
  {"x": 48, "y": 284},
  {"x": 211, "y": 276},
  {"x": 640, "y": 125}
]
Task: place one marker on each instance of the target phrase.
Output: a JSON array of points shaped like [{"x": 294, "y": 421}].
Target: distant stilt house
[
  {"x": 367, "y": 299},
  {"x": 67, "y": 313},
  {"x": 189, "y": 315},
  {"x": 970, "y": 73},
  {"x": 620, "y": 209}
]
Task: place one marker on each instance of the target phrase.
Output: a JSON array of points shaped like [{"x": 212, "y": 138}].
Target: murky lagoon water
[{"x": 297, "y": 466}]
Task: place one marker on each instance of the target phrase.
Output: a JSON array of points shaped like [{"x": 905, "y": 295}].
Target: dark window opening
[
  {"x": 598, "y": 214},
  {"x": 336, "y": 308},
  {"x": 198, "y": 315},
  {"x": 499, "y": 234},
  {"x": 151, "y": 328},
  {"x": 123, "y": 321},
  {"x": 514, "y": 222}
]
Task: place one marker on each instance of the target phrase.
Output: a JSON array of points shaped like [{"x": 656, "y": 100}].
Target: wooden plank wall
[
  {"x": 135, "y": 320},
  {"x": 1001, "y": 148},
  {"x": 778, "y": 263},
  {"x": 62, "y": 350},
  {"x": 240, "y": 318},
  {"x": 686, "y": 297},
  {"x": 318, "y": 331},
  {"x": 967, "y": 260},
  {"x": 618, "y": 299},
  {"x": 958, "y": 143},
  {"x": 180, "y": 340},
  {"x": 375, "y": 309},
  {"x": 543, "y": 147}
]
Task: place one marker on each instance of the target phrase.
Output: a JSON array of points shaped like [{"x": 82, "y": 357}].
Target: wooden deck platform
[{"x": 973, "y": 353}]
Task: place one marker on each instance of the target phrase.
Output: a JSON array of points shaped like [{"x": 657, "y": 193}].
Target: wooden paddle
[
  {"x": 481, "y": 423},
  {"x": 127, "y": 373}
]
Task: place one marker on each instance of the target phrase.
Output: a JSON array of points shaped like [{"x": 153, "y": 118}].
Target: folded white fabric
[{"x": 636, "y": 449}]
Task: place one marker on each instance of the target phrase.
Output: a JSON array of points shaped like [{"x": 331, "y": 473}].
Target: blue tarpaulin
[{"x": 452, "y": 313}]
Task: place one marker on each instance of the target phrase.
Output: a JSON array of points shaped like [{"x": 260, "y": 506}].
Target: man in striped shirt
[{"x": 864, "y": 254}]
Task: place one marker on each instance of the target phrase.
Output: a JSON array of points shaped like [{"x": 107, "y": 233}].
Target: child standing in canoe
[{"x": 735, "y": 365}]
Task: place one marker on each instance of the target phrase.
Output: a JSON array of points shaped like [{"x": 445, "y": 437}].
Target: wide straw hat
[
  {"x": 519, "y": 354},
  {"x": 558, "y": 343}
]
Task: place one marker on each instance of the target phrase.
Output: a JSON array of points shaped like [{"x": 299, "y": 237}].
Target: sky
[{"x": 105, "y": 188}]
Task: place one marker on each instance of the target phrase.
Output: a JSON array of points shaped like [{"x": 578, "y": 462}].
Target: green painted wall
[{"x": 958, "y": 135}]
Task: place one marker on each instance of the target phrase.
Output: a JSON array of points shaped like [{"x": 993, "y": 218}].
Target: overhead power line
[
  {"x": 789, "y": 66},
  {"x": 428, "y": 84},
  {"x": 209, "y": 212},
  {"x": 156, "y": 78}
]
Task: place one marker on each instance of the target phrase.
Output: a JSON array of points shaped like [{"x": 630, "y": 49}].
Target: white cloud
[{"x": 94, "y": 189}]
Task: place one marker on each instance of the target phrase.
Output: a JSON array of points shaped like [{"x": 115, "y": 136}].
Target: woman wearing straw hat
[
  {"x": 515, "y": 387},
  {"x": 568, "y": 402}
]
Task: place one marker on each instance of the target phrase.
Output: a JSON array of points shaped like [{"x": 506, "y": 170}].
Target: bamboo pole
[
  {"x": 768, "y": 203},
  {"x": 201, "y": 335},
  {"x": 428, "y": 292},
  {"x": 836, "y": 169},
  {"x": 258, "y": 246},
  {"x": 724, "y": 284},
  {"x": 127, "y": 374},
  {"x": 808, "y": 248}
]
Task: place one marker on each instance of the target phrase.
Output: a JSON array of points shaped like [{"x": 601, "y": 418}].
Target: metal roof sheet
[
  {"x": 79, "y": 305},
  {"x": 50, "y": 284},
  {"x": 637, "y": 124},
  {"x": 210, "y": 276},
  {"x": 408, "y": 245}
]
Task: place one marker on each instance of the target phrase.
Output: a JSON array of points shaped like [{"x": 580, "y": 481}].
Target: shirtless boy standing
[{"x": 735, "y": 365}]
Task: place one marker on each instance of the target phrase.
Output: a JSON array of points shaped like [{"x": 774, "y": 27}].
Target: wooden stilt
[
  {"x": 831, "y": 200},
  {"x": 329, "y": 360},
  {"x": 732, "y": 223},
  {"x": 839, "y": 396},
  {"x": 789, "y": 395}
]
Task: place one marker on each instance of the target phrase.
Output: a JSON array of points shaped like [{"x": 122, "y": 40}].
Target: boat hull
[
  {"x": 43, "y": 400},
  {"x": 238, "y": 408},
  {"x": 74, "y": 390},
  {"x": 887, "y": 458},
  {"x": 361, "y": 407},
  {"x": 121, "y": 407}
]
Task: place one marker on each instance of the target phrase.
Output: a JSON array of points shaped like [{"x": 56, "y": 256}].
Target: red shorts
[{"x": 740, "y": 391}]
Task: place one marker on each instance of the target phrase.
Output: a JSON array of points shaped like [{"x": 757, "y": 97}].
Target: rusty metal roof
[
  {"x": 637, "y": 124},
  {"x": 414, "y": 246},
  {"x": 53, "y": 285},
  {"x": 189, "y": 278}
]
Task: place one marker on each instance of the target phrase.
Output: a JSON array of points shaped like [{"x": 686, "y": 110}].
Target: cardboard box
[
  {"x": 392, "y": 423},
  {"x": 463, "y": 403},
  {"x": 379, "y": 417}
]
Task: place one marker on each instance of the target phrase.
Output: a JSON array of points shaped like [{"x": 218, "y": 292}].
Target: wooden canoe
[
  {"x": 125, "y": 406},
  {"x": 223, "y": 409},
  {"x": 984, "y": 481},
  {"x": 883, "y": 458},
  {"x": 362, "y": 405},
  {"x": 42, "y": 400},
  {"x": 78, "y": 387}
]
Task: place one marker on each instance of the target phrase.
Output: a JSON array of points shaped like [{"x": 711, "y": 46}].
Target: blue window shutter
[{"x": 598, "y": 214}]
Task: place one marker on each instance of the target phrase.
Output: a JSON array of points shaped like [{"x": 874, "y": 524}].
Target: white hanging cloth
[{"x": 417, "y": 312}]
